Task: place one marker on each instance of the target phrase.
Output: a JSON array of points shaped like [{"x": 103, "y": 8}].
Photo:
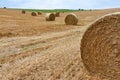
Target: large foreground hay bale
[
  {"x": 100, "y": 47},
  {"x": 71, "y": 19},
  {"x": 50, "y": 17},
  {"x": 57, "y": 14},
  {"x": 23, "y": 12},
  {"x": 33, "y": 14}
]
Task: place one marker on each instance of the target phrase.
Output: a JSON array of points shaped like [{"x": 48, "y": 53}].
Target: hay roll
[
  {"x": 4, "y": 7},
  {"x": 23, "y": 12},
  {"x": 57, "y": 14},
  {"x": 71, "y": 19},
  {"x": 50, "y": 17},
  {"x": 39, "y": 13},
  {"x": 33, "y": 14},
  {"x": 100, "y": 47}
]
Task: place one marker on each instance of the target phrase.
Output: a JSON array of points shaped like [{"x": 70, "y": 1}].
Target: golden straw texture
[
  {"x": 71, "y": 19},
  {"x": 50, "y": 17},
  {"x": 100, "y": 47}
]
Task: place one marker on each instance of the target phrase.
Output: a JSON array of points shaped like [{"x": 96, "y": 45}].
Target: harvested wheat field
[{"x": 32, "y": 48}]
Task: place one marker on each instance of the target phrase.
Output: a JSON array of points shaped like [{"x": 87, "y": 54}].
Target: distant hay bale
[
  {"x": 5, "y": 7},
  {"x": 23, "y": 12},
  {"x": 57, "y": 14},
  {"x": 100, "y": 47},
  {"x": 33, "y": 14},
  {"x": 39, "y": 13},
  {"x": 50, "y": 17},
  {"x": 71, "y": 19}
]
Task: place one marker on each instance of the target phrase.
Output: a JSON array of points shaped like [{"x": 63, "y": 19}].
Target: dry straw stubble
[
  {"x": 100, "y": 47},
  {"x": 50, "y": 17},
  {"x": 71, "y": 19}
]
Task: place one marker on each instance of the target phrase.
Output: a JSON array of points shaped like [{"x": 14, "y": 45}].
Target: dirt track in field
[{"x": 33, "y": 49}]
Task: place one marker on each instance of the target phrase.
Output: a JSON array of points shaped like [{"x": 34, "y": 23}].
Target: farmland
[{"x": 32, "y": 48}]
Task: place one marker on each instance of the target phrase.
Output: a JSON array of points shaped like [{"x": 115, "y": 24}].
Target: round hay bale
[
  {"x": 23, "y": 12},
  {"x": 71, "y": 19},
  {"x": 39, "y": 13},
  {"x": 33, "y": 14},
  {"x": 100, "y": 47},
  {"x": 57, "y": 14},
  {"x": 5, "y": 7},
  {"x": 50, "y": 17}
]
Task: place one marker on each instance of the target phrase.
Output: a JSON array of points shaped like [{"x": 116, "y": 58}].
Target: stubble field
[{"x": 32, "y": 48}]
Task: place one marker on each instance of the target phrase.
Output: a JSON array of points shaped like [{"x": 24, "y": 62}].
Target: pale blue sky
[{"x": 59, "y": 4}]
